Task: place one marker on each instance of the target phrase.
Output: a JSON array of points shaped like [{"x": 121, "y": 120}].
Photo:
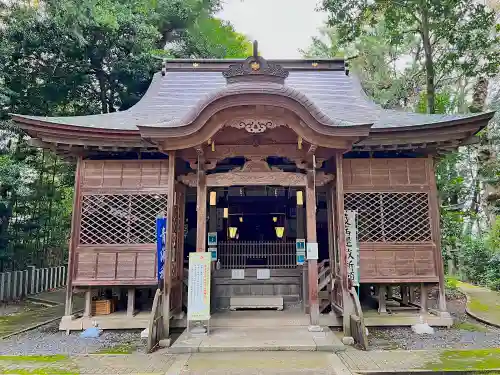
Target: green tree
[
  {"x": 78, "y": 57},
  {"x": 453, "y": 35}
]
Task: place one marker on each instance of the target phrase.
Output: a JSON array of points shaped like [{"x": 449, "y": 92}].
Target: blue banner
[{"x": 161, "y": 236}]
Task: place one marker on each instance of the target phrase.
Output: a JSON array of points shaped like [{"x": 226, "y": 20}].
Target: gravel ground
[
  {"x": 48, "y": 340},
  {"x": 467, "y": 333}
]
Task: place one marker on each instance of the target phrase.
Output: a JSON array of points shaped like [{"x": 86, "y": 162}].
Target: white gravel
[
  {"x": 49, "y": 340},
  {"x": 443, "y": 338}
]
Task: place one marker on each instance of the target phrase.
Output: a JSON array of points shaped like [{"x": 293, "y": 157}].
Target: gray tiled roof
[{"x": 171, "y": 100}]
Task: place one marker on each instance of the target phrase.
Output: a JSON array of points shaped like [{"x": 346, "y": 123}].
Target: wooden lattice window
[
  {"x": 391, "y": 217},
  {"x": 120, "y": 218}
]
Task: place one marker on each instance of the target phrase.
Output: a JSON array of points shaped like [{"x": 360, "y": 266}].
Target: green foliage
[
  {"x": 452, "y": 35},
  {"x": 80, "y": 57},
  {"x": 212, "y": 37},
  {"x": 476, "y": 359},
  {"x": 451, "y": 283}
]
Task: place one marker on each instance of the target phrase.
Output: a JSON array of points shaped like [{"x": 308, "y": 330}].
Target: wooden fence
[{"x": 15, "y": 285}]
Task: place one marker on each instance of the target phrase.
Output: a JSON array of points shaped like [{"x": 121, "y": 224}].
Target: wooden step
[
  {"x": 325, "y": 282},
  {"x": 323, "y": 305}
]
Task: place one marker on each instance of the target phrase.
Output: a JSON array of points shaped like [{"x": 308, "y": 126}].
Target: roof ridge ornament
[{"x": 255, "y": 68}]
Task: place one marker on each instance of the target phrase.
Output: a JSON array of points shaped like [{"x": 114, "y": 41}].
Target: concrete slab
[
  {"x": 185, "y": 344},
  {"x": 261, "y": 363},
  {"x": 258, "y": 339}
]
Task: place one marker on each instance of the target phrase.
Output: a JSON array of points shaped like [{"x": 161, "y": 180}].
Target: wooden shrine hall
[{"x": 272, "y": 157}]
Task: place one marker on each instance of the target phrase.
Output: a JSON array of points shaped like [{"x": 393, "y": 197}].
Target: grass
[
  {"x": 125, "y": 348},
  {"x": 478, "y": 359},
  {"x": 27, "y": 317},
  {"x": 34, "y": 358},
  {"x": 37, "y": 371},
  {"x": 476, "y": 305},
  {"x": 32, "y": 361},
  {"x": 471, "y": 327}
]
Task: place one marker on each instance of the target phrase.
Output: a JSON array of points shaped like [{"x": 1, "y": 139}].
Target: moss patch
[
  {"x": 480, "y": 359},
  {"x": 34, "y": 358},
  {"x": 126, "y": 348},
  {"x": 28, "y": 317},
  {"x": 472, "y": 327},
  {"x": 476, "y": 305},
  {"x": 38, "y": 371}
]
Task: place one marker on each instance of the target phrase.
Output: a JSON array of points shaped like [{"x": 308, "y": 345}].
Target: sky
[{"x": 281, "y": 27}]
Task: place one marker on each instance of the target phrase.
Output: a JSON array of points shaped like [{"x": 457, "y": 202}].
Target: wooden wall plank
[
  {"x": 124, "y": 174},
  {"x": 390, "y": 174},
  {"x": 402, "y": 262}
]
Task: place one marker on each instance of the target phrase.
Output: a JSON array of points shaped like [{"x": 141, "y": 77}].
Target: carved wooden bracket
[{"x": 255, "y": 125}]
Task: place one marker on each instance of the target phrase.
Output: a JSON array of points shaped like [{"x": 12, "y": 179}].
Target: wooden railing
[
  {"x": 324, "y": 284},
  {"x": 255, "y": 254}
]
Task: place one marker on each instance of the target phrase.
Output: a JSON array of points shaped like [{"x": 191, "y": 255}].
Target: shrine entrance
[
  {"x": 256, "y": 249},
  {"x": 256, "y": 215}
]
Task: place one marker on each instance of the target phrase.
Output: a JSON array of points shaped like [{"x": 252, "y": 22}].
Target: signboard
[
  {"x": 263, "y": 274},
  {"x": 212, "y": 239},
  {"x": 352, "y": 246},
  {"x": 312, "y": 250},
  {"x": 213, "y": 251},
  {"x": 238, "y": 274},
  {"x": 199, "y": 286},
  {"x": 161, "y": 239},
  {"x": 300, "y": 247}
]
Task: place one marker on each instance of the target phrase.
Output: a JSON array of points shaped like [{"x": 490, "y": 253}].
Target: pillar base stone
[
  {"x": 314, "y": 328},
  {"x": 164, "y": 343}
]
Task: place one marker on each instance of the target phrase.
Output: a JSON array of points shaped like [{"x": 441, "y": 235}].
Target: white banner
[
  {"x": 351, "y": 240},
  {"x": 199, "y": 286}
]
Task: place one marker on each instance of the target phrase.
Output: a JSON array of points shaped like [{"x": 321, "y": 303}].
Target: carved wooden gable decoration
[{"x": 256, "y": 172}]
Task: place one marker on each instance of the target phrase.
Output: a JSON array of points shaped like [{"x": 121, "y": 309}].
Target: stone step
[
  {"x": 256, "y": 302},
  {"x": 258, "y": 339}
]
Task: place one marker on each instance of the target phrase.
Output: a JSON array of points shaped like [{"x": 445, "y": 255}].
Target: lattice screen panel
[
  {"x": 391, "y": 217},
  {"x": 120, "y": 218}
]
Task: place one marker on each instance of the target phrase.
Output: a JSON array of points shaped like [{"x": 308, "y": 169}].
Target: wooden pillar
[
  {"x": 131, "y": 302},
  {"x": 180, "y": 237},
  {"x": 436, "y": 233},
  {"x": 412, "y": 293},
  {"x": 87, "y": 312},
  {"x": 423, "y": 298},
  {"x": 312, "y": 264},
  {"x": 348, "y": 305},
  {"x": 212, "y": 227},
  {"x": 331, "y": 227},
  {"x": 74, "y": 237},
  {"x": 405, "y": 294},
  {"x": 167, "y": 279},
  {"x": 201, "y": 208},
  {"x": 212, "y": 214},
  {"x": 301, "y": 235},
  {"x": 381, "y": 299}
]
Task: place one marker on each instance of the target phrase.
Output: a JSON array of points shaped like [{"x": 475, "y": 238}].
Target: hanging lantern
[
  {"x": 279, "y": 231},
  {"x": 226, "y": 212},
  {"x": 275, "y": 219},
  {"x": 241, "y": 219},
  {"x": 232, "y": 232}
]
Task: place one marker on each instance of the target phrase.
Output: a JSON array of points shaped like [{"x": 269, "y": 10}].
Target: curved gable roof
[{"x": 333, "y": 98}]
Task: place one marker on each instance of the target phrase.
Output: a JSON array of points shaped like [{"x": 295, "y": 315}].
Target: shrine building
[{"x": 316, "y": 201}]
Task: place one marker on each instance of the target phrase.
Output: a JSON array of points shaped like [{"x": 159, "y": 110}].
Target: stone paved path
[
  {"x": 161, "y": 363},
  {"x": 482, "y": 303},
  {"x": 405, "y": 360}
]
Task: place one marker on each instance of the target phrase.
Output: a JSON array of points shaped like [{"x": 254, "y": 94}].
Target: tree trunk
[
  {"x": 429, "y": 64},
  {"x": 487, "y": 162},
  {"x": 102, "y": 91}
]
